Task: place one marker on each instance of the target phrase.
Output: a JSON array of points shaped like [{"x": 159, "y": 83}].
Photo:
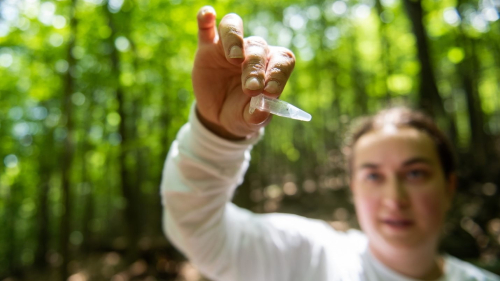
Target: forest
[{"x": 93, "y": 92}]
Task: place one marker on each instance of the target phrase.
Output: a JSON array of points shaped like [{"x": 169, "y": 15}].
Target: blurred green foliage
[{"x": 92, "y": 93}]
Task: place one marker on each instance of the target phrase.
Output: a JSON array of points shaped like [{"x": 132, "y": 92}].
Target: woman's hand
[{"x": 229, "y": 70}]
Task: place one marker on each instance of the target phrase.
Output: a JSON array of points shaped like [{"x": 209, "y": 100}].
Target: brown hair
[{"x": 406, "y": 117}]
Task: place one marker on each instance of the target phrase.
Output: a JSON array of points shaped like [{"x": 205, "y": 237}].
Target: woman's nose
[{"x": 396, "y": 195}]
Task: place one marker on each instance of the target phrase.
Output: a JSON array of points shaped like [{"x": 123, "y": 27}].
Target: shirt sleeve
[{"x": 223, "y": 241}]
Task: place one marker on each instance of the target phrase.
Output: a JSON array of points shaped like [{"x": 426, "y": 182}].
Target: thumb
[{"x": 257, "y": 118}]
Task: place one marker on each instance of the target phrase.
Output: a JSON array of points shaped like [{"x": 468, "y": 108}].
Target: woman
[{"x": 402, "y": 179}]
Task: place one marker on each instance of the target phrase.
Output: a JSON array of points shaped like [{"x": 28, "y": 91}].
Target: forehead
[{"x": 394, "y": 146}]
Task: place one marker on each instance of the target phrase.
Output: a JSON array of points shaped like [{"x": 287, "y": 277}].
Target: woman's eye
[
  {"x": 416, "y": 174},
  {"x": 373, "y": 177}
]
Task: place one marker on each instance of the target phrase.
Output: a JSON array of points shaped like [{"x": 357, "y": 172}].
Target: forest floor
[{"x": 111, "y": 266}]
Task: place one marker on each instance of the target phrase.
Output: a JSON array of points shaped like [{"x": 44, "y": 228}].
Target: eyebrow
[
  {"x": 417, "y": 160},
  {"x": 368, "y": 166},
  {"x": 408, "y": 162}
]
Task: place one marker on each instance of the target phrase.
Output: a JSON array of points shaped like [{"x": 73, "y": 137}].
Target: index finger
[{"x": 207, "y": 31}]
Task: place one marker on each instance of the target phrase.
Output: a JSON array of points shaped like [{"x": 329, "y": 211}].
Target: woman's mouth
[{"x": 398, "y": 223}]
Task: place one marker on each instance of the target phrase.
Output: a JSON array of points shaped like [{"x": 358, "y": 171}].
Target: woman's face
[{"x": 400, "y": 191}]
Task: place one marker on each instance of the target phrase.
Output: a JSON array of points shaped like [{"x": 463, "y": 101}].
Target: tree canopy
[{"x": 93, "y": 92}]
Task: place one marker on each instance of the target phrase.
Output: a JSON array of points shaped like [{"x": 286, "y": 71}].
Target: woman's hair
[{"x": 405, "y": 117}]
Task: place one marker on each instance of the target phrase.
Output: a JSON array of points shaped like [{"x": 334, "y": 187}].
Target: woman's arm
[
  {"x": 224, "y": 241},
  {"x": 211, "y": 154},
  {"x": 201, "y": 172}
]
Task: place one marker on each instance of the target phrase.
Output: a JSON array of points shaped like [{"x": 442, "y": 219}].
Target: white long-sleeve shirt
[{"x": 228, "y": 243}]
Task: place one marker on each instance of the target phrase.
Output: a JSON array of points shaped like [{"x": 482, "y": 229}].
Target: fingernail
[
  {"x": 235, "y": 52},
  {"x": 207, "y": 9},
  {"x": 272, "y": 87},
  {"x": 252, "y": 83}
]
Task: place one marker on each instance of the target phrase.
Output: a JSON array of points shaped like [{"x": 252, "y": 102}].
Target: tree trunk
[
  {"x": 11, "y": 211},
  {"x": 166, "y": 114},
  {"x": 469, "y": 70},
  {"x": 88, "y": 204},
  {"x": 141, "y": 164},
  {"x": 428, "y": 99},
  {"x": 45, "y": 164},
  {"x": 357, "y": 81},
  {"x": 43, "y": 226},
  {"x": 477, "y": 146},
  {"x": 385, "y": 49},
  {"x": 129, "y": 192},
  {"x": 43, "y": 207},
  {"x": 67, "y": 154}
]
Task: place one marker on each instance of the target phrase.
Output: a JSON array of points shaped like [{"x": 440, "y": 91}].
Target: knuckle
[
  {"x": 282, "y": 68},
  {"x": 257, "y": 41},
  {"x": 231, "y": 29},
  {"x": 277, "y": 73},
  {"x": 285, "y": 53},
  {"x": 255, "y": 63},
  {"x": 254, "y": 55}
]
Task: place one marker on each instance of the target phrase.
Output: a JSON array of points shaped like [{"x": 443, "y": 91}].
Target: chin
[
  {"x": 403, "y": 242},
  {"x": 409, "y": 240}
]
